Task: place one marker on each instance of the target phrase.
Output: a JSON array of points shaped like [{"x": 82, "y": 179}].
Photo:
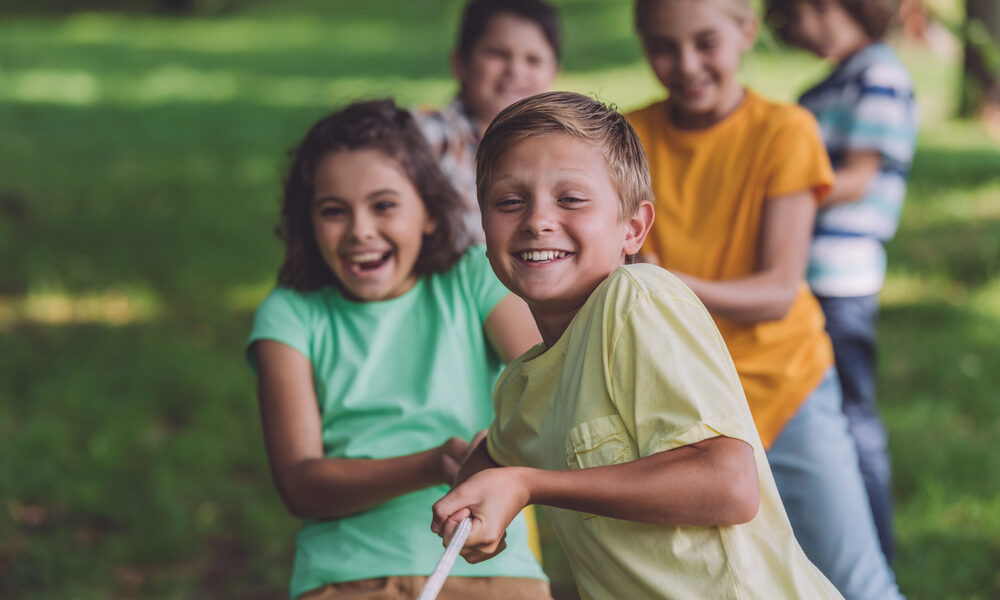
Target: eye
[
  {"x": 330, "y": 211},
  {"x": 533, "y": 60},
  {"x": 508, "y": 203},
  {"x": 658, "y": 47},
  {"x": 384, "y": 206},
  {"x": 571, "y": 201},
  {"x": 708, "y": 43},
  {"x": 496, "y": 52}
]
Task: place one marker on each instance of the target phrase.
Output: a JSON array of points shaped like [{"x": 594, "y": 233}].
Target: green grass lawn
[{"x": 140, "y": 160}]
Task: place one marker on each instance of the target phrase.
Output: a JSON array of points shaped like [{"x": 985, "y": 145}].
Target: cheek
[
  {"x": 662, "y": 66},
  {"x": 542, "y": 76},
  {"x": 727, "y": 62},
  {"x": 488, "y": 70},
  {"x": 495, "y": 228}
]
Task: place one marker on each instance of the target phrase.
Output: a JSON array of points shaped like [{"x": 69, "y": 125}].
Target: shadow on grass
[
  {"x": 135, "y": 461},
  {"x": 967, "y": 251},
  {"x": 939, "y": 169}
]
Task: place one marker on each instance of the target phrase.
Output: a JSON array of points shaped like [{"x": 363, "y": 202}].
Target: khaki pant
[{"x": 407, "y": 587}]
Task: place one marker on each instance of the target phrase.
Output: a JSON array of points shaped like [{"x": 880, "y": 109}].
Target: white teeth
[
  {"x": 366, "y": 257},
  {"x": 541, "y": 255}
]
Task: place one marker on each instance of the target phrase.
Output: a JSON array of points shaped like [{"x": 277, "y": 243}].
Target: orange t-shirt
[{"x": 710, "y": 187}]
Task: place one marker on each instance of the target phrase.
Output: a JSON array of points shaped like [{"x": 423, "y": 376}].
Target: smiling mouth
[
  {"x": 541, "y": 256},
  {"x": 367, "y": 261},
  {"x": 692, "y": 89}
]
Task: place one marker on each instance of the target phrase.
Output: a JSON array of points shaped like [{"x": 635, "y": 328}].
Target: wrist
[
  {"x": 529, "y": 483},
  {"x": 431, "y": 471}
]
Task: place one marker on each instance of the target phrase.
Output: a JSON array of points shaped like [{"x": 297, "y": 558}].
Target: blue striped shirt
[{"x": 865, "y": 104}]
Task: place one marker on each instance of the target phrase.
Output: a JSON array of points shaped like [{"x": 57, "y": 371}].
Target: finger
[
  {"x": 451, "y": 524},
  {"x": 456, "y": 447},
  {"x": 443, "y": 509}
]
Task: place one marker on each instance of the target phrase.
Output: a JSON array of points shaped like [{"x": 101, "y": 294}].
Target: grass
[{"x": 139, "y": 169}]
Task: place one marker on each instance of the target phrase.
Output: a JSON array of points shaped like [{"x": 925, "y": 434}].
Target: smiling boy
[{"x": 628, "y": 422}]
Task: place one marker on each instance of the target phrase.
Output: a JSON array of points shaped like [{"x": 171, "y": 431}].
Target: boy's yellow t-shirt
[
  {"x": 710, "y": 188},
  {"x": 642, "y": 369}
]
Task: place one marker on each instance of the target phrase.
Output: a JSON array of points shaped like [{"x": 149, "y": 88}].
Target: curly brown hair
[
  {"x": 874, "y": 16},
  {"x": 371, "y": 125}
]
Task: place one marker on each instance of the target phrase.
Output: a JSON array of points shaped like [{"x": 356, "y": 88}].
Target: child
[
  {"x": 628, "y": 422},
  {"x": 736, "y": 179},
  {"x": 507, "y": 50},
  {"x": 868, "y": 118},
  {"x": 375, "y": 358}
]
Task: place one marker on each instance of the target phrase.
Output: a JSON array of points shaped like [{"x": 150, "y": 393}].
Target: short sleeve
[
  {"x": 282, "y": 317},
  {"x": 480, "y": 281},
  {"x": 673, "y": 381},
  {"x": 798, "y": 158},
  {"x": 884, "y": 118}
]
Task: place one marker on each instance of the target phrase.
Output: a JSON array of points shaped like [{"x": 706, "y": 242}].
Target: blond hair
[
  {"x": 741, "y": 10},
  {"x": 581, "y": 117}
]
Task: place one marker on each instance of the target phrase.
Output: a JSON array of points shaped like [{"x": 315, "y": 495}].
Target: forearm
[
  {"x": 850, "y": 186},
  {"x": 853, "y": 178},
  {"x": 335, "y": 487},
  {"x": 693, "y": 487},
  {"x": 759, "y": 297}
]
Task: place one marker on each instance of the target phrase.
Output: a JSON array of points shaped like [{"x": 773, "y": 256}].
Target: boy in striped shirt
[{"x": 868, "y": 117}]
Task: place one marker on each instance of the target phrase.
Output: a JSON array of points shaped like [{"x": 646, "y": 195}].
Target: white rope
[{"x": 436, "y": 580}]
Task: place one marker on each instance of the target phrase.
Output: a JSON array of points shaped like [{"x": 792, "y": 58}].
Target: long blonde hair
[{"x": 741, "y": 10}]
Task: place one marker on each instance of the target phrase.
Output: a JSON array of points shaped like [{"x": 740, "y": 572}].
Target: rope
[{"x": 436, "y": 580}]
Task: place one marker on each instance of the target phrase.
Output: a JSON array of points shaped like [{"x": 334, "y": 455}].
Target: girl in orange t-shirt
[{"x": 737, "y": 179}]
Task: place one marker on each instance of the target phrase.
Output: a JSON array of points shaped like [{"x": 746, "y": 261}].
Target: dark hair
[
  {"x": 372, "y": 125},
  {"x": 874, "y": 16},
  {"x": 479, "y": 13}
]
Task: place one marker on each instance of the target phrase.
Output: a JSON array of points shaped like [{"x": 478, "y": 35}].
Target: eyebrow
[
  {"x": 375, "y": 194},
  {"x": 651, "y": 36}
]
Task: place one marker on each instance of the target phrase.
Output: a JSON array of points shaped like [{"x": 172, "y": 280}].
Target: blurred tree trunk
[{"x": 981, "y": 79}]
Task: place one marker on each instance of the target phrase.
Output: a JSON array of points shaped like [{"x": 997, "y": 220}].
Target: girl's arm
[
  {"x": 852, "y": 179},
  {"x": 709, "y": 483},
  {"x": 768, "y": 293},
  {"x": 511, "y": 329},
  {"x": 311, "y": 485}
]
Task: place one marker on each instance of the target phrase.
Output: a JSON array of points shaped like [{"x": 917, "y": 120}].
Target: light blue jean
[{"x": 815, "y": 464}]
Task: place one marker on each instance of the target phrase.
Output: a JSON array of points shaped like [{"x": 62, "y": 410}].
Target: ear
[
  {"x": 749, "y": 30},
  {"x": 430, "y": 225},
  {"x": 637, "y": 227}
]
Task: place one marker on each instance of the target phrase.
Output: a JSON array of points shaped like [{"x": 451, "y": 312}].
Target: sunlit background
[{"x": 140, "y": 159}]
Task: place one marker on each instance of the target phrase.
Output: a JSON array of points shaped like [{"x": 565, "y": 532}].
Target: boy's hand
[{"x": 492, "y": 498}]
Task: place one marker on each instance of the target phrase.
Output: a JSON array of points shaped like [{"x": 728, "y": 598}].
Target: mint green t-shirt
[{"x": 393, "y": 378}]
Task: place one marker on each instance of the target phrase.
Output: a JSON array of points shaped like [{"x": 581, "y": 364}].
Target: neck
[
  {"x": 479, "y": 122},
  {"x": 730, "y": 102},
  {"x": 553, "y": 323},
  {"x": 852, "y": 49}
]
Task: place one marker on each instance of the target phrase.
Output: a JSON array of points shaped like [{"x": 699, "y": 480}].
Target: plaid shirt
[{"x": 451, "y": 133}]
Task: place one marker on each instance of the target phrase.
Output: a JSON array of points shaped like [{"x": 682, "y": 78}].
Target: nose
[
  {"x": 687, "y": 61},
  {"x": 362, "y": 227},
  {"x": 539, "y": 219}
]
